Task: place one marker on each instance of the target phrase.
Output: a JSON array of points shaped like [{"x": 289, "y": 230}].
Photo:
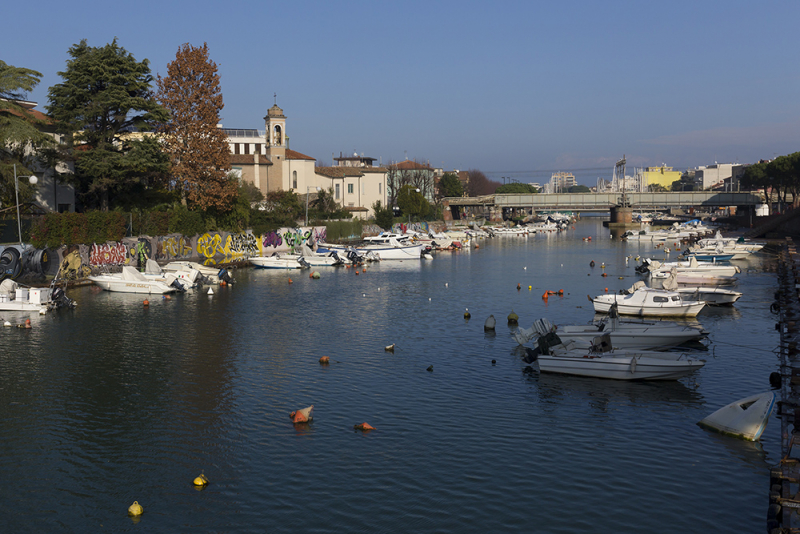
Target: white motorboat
[
  {"x": 186, "y": 278},
  {"x": 131, "y": 281},
  {"x": 692, "y": 279},
  {"x": 211, "y": 275},
  {"x": 713, "y": 296},
  {"x": 277, "y": 261},
  {"x": 746, "y": 418},
  {"x": 384, "y": 238},
  {"x": 13, "y": 297},
  {"x": 647, "y": 302},
  {"x": 623, "y": 334},
  {"x": 730, "y": 244},
  {"x": 603, "y": 362},
  {"x": 394, "y": 250},
  {"x": 691, "y": 266}
]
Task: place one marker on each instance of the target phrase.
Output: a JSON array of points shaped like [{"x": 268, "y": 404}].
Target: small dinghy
[{"x": 746, "y": 418}]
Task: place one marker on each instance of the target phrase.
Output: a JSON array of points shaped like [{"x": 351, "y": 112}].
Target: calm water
[{"x": 114, "y": 403}]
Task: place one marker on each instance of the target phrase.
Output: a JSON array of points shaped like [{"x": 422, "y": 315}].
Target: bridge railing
[{"x": 599, "y": 201}]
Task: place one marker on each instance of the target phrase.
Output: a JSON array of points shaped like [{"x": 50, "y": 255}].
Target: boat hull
[
  {"x": 646, "y": 338},
  {"x": 619, "y": 368},
  {"x": 686, "y": 309},
  {"x": 746, "y": 418},
  {"x": 131, "y": 286}
]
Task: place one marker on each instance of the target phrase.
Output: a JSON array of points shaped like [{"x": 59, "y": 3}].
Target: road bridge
[{"x": 599, "y": 202}]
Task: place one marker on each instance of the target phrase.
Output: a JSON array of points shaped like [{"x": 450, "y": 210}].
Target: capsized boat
[
  {"x": 129, "y": 280},
  {"x": 623, "y": 334},
  {"x": 647, "y": 302},
  {"x": 601, "y": 361},
  {"x": 746, "y": 418}
]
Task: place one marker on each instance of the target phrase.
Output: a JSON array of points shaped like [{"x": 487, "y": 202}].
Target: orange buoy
[
  {"x": 606, "y": 290},
  {"x": 146, "y": 302},
  {"x": 223, "y": 283},
  {"x": 325, "y": 360},
  {"x": 356, "y": 272},
  {"x": 544, "y": 297},
  {"x": 560, "y": 291},
  {"x": 518, "y": 287},
  {"x": 364, "y": 270},
  {"x": 604, "y": 274},
  {"x": 290, "y": 280},
  {"x": 302, "y": 416},
  {"x": 27, "y": 323},
  {"x": 366, "y": 427}
]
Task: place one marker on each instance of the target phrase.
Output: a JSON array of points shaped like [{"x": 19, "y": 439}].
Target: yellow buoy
[
  {"x": 200, "y": 480},
  {"x": 135, "y": 509}
]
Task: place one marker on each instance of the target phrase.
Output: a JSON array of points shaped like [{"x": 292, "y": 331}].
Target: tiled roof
[
  {"x": 293, "y": 154},
  {"x": 248, "y": 159},
  {"x": 408, "y": 165},
  {"x": 339, "y": 172},
  {"x": 355, "y": 208},
  {"x": 29, "y": 112},
  {"x": 374, "y": 169}
]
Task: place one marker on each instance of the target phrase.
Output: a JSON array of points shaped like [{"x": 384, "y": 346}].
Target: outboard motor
[
  {"x": 178, "y": 284},
  {"x": 225, "y": 276},
  {"x": 60, "y": 299},
  {"x": 303, "y": 263},
  {"x": 353, "y": 256},
  {"x": 338, "y": 260}
]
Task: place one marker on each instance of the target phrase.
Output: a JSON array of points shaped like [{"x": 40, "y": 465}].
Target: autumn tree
[
  {"x": 22, "y": 141},
  {"x": 104, "y": 100},
  {"x": 197, "y": 148}
]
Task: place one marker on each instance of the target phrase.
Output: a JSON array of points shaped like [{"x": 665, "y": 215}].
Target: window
[
  {"x": 660, "y": 299},
  {"x": 246, "y": 148},
  {"x": 379, "y": 188},
  {"x": 236, "y": 148},
  {"x": 337, "y": 192},
  {"x": 676, "y": 298},
  {"x": 294, "y": 179},
  {"x": 349, "y": 189}
]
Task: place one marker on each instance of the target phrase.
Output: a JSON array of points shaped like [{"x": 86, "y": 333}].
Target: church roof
[
  {"x": 293, "y": 154},
  {"x": 248, "y": 159}
]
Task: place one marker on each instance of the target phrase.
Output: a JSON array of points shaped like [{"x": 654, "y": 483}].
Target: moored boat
[
  {"x": 129, "y": 280},
  {"x": 647, "y": 302}
]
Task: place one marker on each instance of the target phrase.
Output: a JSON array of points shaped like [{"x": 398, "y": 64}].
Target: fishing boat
[
  {"x": 129, "y": 280},
  {"x": 746, "y": 418},
  {"x": 652, "y": 335},
  {"x": 647, "y": 302},
  {"x": 601, "y": 361}
]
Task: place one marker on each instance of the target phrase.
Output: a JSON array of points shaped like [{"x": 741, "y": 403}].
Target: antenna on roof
[{"x": 275, "y": 97}]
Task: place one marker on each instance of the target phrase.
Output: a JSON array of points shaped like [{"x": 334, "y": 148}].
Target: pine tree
[
  {"x": 104, "y": 98},
  {"x": 22, "y": 141},
  {"x": 197, "y": 147}
]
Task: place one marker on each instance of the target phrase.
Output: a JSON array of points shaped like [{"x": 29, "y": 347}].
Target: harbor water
[{"x": 114, "y": 402}]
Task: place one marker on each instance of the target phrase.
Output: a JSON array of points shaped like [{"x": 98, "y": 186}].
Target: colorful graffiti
[
  {"x": 271, "y": 239},
  {"x": 243, "y": 244},
  {"x": 174, "y": 247},
  {"x": 108, "y": 254}
]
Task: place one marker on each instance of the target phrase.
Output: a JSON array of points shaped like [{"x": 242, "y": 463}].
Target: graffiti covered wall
[{"x": 210, "y": 248}]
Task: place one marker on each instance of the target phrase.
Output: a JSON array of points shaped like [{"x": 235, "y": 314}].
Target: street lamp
[
  {"x": 308, "y": 188},
  {"x": 32, "y": 180}
]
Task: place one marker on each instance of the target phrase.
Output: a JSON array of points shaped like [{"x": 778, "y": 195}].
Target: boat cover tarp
[
  {"x": 131, "y": 274},
  {"x": 636, "y": 286},
  {"x": 671, "y": 282},
  {"x": 151, "y": 267},
  {"x": 8, "y": 287}
]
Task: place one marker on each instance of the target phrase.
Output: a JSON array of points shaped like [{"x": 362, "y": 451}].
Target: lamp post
[
  {"x": 308, "y": 188},
  {"x": 32, "y": 180}
]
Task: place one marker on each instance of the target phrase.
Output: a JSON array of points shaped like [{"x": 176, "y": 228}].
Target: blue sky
[{"x": 517, "y": 89}]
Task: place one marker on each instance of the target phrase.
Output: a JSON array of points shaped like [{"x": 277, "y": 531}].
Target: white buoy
[
  {"x": 429, "y": 299},
  {"x": 524, "y": 268},
  {"x": 446, "y": 284},
  {"x": 7, "y": 323},
  {"x": 363, "y": 294},
  {"x": 210, "y": 291}
]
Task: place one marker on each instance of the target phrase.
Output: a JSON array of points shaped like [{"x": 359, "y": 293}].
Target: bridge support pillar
[{"x": 621, "y": 214}]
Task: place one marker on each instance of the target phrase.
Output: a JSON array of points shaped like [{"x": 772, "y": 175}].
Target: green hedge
[
  {"x": 343, "y": 230},
  {"x": 56, "y": 229}
]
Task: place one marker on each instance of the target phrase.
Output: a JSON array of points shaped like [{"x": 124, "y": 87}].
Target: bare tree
[{"x": 479, "y": 184}]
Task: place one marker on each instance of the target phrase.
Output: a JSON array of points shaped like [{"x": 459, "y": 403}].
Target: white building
[{"x": 712, "y": 176}]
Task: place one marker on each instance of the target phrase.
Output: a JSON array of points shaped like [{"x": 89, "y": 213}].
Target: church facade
[{"x": 264, "y": 159}]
